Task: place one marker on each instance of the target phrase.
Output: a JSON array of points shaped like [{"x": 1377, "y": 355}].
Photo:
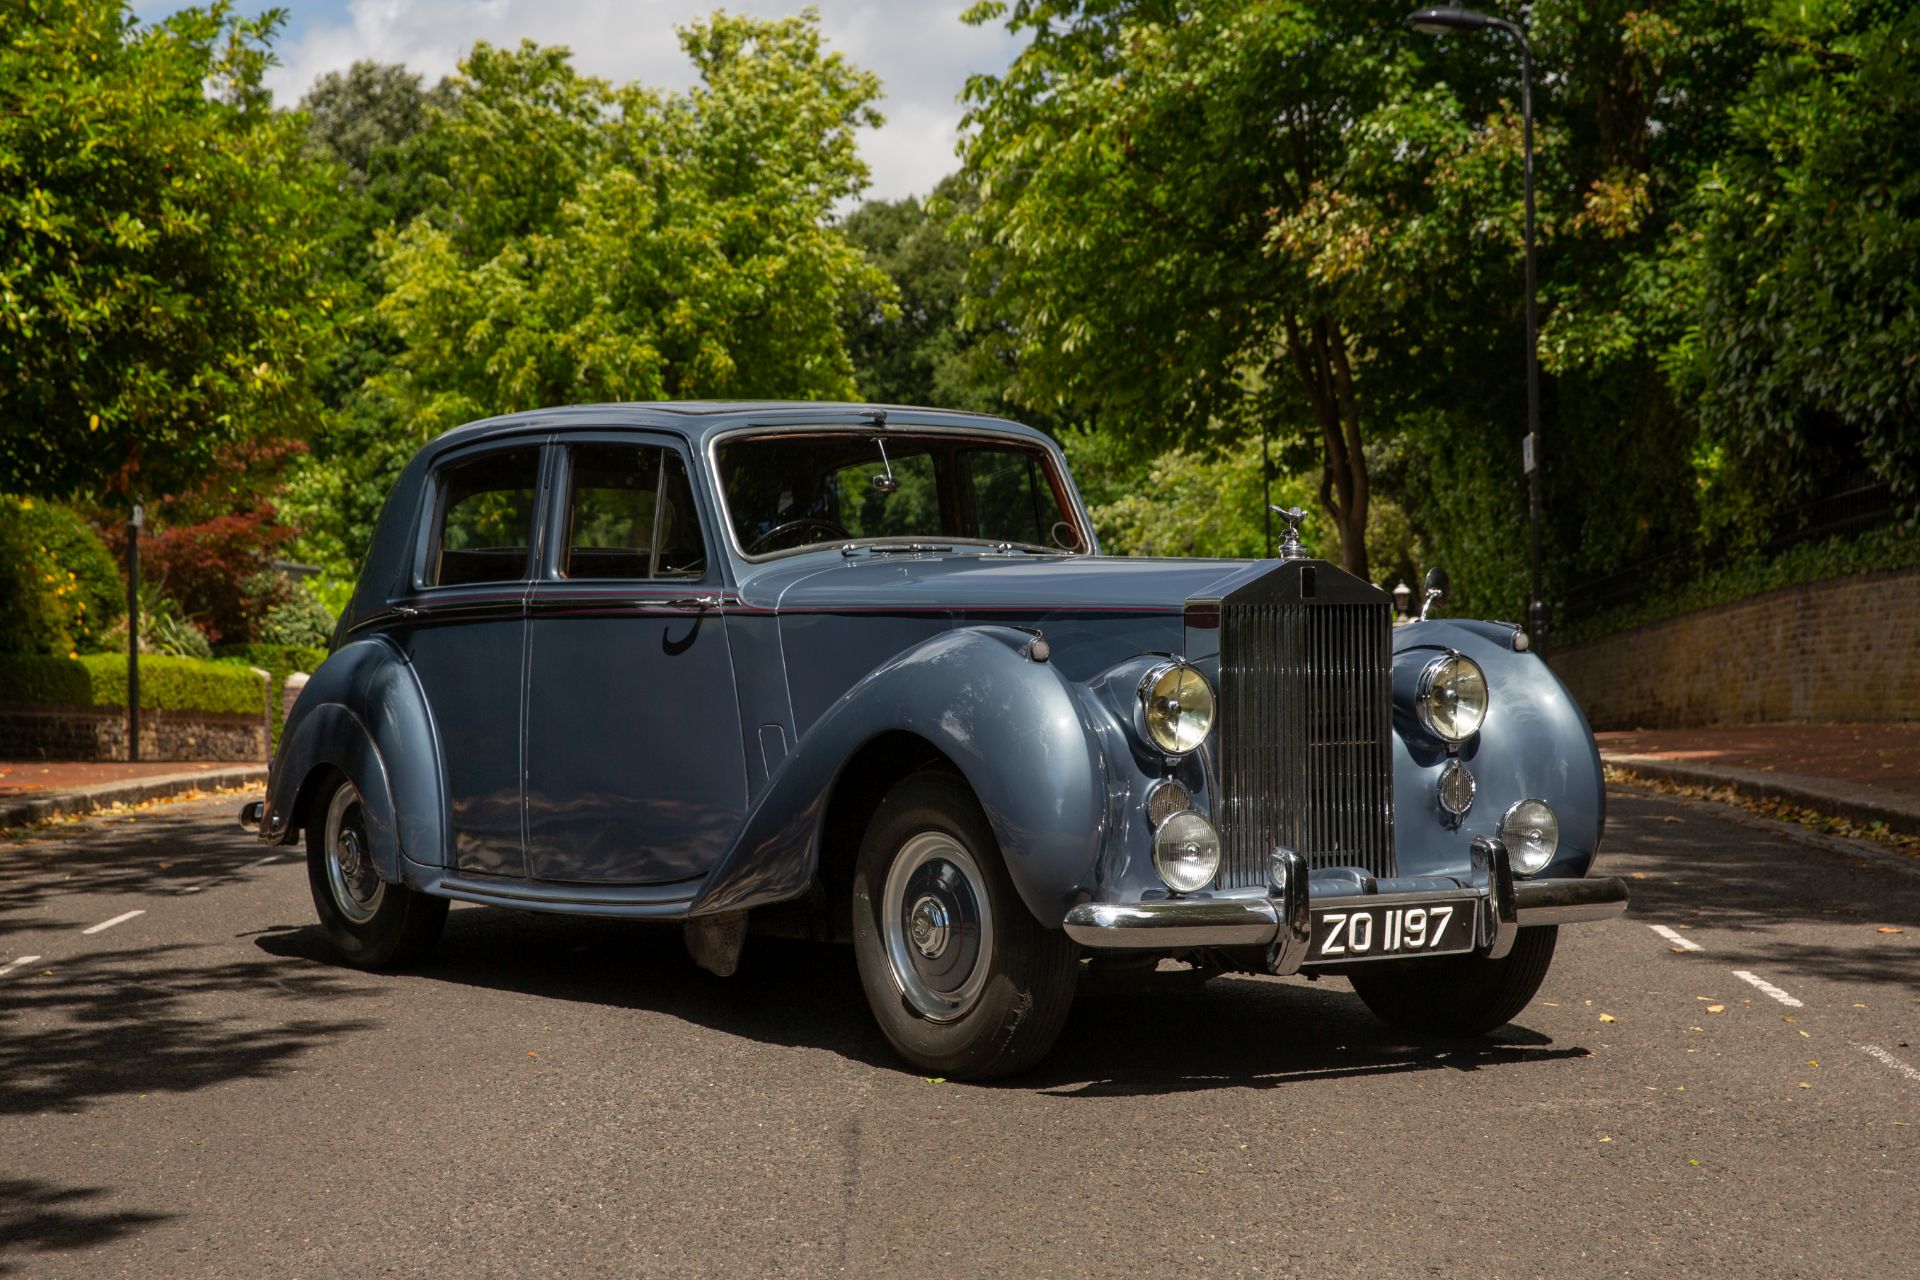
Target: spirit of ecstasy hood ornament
[{"x": 1290, "y": 548}]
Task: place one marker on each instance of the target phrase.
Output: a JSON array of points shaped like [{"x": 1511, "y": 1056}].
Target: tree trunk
[{"x": 1319, "y": 354}]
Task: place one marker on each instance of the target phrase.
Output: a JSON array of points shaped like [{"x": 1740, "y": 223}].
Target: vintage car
[{"x": 862, "y": 673}]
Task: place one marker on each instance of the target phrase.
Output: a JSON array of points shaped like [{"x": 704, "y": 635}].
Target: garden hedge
[{"x": 100, "y": 680}]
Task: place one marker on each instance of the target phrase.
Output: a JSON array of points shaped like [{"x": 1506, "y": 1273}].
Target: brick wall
[
  {"x": 100, "y": 733},
  {"x": 1847, "y": 649}
]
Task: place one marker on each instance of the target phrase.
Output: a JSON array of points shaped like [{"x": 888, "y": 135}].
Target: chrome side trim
[
  {"x": 1173, "y": 923},
  {"x": 1569, "y": 901}
]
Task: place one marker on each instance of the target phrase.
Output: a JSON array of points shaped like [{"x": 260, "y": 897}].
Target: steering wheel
[{"x": 765, "y": 541}]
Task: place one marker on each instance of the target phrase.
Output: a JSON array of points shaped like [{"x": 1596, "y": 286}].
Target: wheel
[
  {"x": 962, "y": 979},
  {"x": 373, "y": 924},
  {"x": 1458, "y": 995}
]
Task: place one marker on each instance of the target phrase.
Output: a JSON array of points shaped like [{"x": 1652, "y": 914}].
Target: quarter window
[
  {"x": 630, "y": 514},
  {"x": 486, "y": 519}
]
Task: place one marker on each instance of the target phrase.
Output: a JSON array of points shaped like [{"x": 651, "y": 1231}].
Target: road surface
[{"x": 1724, "y": 1082}]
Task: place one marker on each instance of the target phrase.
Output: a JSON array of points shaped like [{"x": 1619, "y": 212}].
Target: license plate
[{"x": 1392, "y": 930}]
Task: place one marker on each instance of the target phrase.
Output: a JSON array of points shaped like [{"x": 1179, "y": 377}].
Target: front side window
[
  {"x": 485, "y": 531},
  {"x": 630, "y": 514},
  {"x": 786, "y": 492}
]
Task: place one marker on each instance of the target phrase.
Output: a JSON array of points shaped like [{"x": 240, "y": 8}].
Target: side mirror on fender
[{"x": 1437, "y": 588}]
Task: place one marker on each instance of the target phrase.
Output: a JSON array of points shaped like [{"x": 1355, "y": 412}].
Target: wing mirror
[{"x": 1437, "y": 588}]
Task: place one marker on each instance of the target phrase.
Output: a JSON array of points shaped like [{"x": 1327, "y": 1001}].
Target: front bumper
[{"x": 1280, "y": 921}]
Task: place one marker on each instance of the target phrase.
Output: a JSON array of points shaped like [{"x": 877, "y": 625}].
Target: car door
[
  {"x": 464, "y": 629},
  {"x": 635, "y": 769}
]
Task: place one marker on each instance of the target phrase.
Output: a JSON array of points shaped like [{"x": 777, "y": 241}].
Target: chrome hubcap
[
  {"x": 356, "y": 887},
  {"x": 937, "y": 925}
]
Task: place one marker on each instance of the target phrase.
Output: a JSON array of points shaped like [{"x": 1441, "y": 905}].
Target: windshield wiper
[{"x": 894, "y": 548}]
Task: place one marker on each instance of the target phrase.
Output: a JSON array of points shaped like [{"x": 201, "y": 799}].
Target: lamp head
[{"x": 1442, "y": 22}]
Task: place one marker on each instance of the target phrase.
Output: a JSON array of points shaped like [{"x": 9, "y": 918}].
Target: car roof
[{"x": 700, "y": 420}]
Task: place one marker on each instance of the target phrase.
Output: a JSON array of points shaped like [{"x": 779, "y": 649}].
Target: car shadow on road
[
  {"x": 41, "y": 1217},
  {"x": 1164, "y": 1033},
  {"x": 155, "y": 1020}
]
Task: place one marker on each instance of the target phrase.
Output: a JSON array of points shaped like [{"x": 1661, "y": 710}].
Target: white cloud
[{"x": 920, "y": 49}]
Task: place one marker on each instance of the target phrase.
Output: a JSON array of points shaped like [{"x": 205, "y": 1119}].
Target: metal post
[
  {"x": 1536, "y": 606},
  {"x": 134, "y": 521},
  {"x": 1266, "y": 479}
]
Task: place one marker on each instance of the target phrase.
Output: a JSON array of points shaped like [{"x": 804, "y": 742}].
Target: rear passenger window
[
  {"x": 486, "y": 519},
  {"x": 630, "y": 514}
]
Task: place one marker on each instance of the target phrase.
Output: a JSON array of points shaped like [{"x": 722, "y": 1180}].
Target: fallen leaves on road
[
  {"x": 1887, "y": 928},
  {"x": 1805, "y": 1085},
  {"x": 1607, "y": 1017},
  {"x": 1716, "y": 1008}
]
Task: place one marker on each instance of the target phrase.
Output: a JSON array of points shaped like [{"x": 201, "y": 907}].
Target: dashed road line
[
  {"x": 1677, "y": 938},
  {"x": 23, "y": 961},
  {"x": 1871, "y": 1050},
  {"x": 108, "y": 924},
  {"x": 1761, "y": 983}
]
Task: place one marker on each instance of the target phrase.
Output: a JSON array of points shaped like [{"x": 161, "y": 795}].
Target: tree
[
  {"x": 622, "y": 243},
  {"x": 1807, "y": 276},
  {"x": 159, "y": 292}
]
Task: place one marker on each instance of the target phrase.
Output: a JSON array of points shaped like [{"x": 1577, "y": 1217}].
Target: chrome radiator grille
[{"x": 1306, "y": 756}]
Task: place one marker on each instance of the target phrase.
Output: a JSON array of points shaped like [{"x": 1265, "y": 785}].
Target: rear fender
[
  {"x": 1014, "y": 729},
  {"x": 363, "y": 714}
]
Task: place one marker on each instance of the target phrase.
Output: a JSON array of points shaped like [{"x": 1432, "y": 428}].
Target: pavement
[
  {"x": 42, "y": 790},
  {"x": 1724, "y": 1082},
  {"x": 1865, "y": 772}
]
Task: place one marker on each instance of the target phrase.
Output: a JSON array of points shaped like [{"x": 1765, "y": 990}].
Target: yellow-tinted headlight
[
  {"x": 1452, "y": 699},
  {"x": 1176, "y": 706}
]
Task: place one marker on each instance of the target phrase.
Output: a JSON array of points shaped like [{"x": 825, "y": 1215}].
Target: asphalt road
[{"x": 196, "y": 1090}]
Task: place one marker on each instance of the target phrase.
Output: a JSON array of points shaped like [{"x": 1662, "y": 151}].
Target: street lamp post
[{"x": 1447, "y": 21}]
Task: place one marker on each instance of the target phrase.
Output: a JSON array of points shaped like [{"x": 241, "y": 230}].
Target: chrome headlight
[
  {"x": 1531, "y": 833},
  {"x": 1186, "y": 852},
  {"x": 1176, "y": 707},
  {"x": 1452, "y": 697}
]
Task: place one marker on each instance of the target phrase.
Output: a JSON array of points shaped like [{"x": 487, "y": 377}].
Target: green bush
[
  {"x": 59, "y": 589},
  {"x": 100, "y": 680},
  {"x": 299, "y": 620},
  {"x": 279, "y": 661}
]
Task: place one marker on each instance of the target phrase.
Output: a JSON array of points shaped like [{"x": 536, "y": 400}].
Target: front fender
[
  {"x": 1535, "y": 743},
  {"x": 1012, "y": 726},
  {"x": 363, "y": 713}
]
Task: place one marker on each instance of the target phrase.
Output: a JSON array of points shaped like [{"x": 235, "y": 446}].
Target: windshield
[{"x": 785, "y": 492}]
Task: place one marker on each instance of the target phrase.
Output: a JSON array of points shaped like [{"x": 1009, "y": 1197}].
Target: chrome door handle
[{"x": 694, "y": 602}]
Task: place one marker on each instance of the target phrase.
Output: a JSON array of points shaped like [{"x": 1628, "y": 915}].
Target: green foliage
[
  {"x": 299, "y": 621},
  {"x": 160, "y": 294},
  {"x": 100, "y": 680},
  {"x": 1803, "y": 359},
  {"x": 1894, "y": 547},
  {"x": 59, "y": 589}
]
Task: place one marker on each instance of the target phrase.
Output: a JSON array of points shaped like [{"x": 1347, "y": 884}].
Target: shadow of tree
[
  {"x": 1165, "y": 1032},
  {"x": 1689, "y": 865},
  {"x": 152, "y": 1020},
  {"x": 39, "y": 1217},
  {"x": 158, "y": 851}
]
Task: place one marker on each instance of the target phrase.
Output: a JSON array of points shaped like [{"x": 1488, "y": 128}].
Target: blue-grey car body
[{"x": 508, "y": 775}]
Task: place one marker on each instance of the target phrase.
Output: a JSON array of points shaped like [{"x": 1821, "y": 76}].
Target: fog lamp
[
  {"x": 1532, "y": 834},
  {"x": 1186, "y": 852}
]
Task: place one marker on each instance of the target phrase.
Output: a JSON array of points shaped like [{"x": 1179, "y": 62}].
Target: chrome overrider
[{"x": 1280, "y": 920}]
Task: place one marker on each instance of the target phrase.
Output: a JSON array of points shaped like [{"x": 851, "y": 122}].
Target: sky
[{"x": 920, "y": 49}]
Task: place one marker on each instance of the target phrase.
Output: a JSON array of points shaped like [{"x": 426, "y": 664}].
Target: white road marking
[
  {"x": 1871, "y": 1050},
  {"x": 1769, "y": 988},
  {"x": 11, "y": 965},
  {"x": 272, "y": 857},
  {"x": 108, "y": 924},
  {"x": 1676, "y": 938}
]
